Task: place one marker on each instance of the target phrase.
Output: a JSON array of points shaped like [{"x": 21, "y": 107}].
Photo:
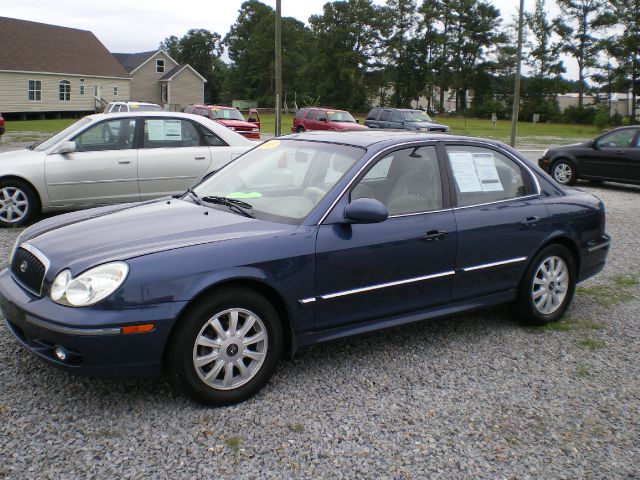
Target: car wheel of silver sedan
[
  {"x": 225, "y": 347},
  {"x": 564, "y": 172},
  {"x": 18, "y": 203},
  {"x": 548, "y": 286}
]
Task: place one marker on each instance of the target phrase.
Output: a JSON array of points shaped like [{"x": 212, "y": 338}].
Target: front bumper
[
  {"x": 545, "y": 164},
  {"x": 92, "y": 339}
]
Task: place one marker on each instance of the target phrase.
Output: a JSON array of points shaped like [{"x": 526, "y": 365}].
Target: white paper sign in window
[
  {"x": 475, "y": 172},
  {"x": 164, "y": 130}
]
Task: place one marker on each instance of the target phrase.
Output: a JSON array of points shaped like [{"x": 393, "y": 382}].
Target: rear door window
[{"x": 385, "y": 115}]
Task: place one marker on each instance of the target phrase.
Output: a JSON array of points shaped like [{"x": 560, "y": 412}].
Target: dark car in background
[
  {"x": 613, "y": 156},
  {"x": 231, "y": 118},
  {"x": 324, "y": 119},
  {"x": 304, "y": 239},
  {"x": 403, "y": 119}
]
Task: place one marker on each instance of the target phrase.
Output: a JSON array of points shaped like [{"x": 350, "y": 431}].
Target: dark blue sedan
[{"x": 304, "y": 239}]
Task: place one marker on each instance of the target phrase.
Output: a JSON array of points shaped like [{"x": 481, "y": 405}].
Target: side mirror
[
  {"x": 66, "y": 147},
  {"x": 366, "y": 210},
  {"x": 357, "y": 120},
  {"x": 594, "y": 144}
]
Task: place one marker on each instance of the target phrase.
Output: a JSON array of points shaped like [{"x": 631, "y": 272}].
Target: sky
[{"x": 127, "y": 26}]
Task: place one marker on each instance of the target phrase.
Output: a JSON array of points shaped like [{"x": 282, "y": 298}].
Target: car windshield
[
  {"x": 281, "y": 180},
  {"x": 226, "y": 114},
  {"x": 340, "y": 117},
  {"x": 145, "y": 108},
  {"x": 417, "y": 116},
  {"x": 51, "y": 141}
]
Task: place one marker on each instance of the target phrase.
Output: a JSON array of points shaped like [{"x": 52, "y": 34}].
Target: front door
[
  {"x": 500, "y": 220},
  {"x": 610, "y": 156},
  {"x": 102, "y": 170},
  {"x": 404, "y": 264}
]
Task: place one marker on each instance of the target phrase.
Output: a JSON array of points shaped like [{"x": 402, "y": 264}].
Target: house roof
[
  {"x": 39, "y": 47},
  {"x": 177, "y": 69},
  {"x": 131, "y": 61}
]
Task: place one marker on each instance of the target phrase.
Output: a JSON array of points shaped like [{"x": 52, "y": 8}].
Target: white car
[
  {"x": 113, "y": 158},
  {"x": 132, "y": 107}
]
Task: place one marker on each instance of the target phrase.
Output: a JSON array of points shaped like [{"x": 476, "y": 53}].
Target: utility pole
[
  {"x": 516, "y": 93},
  {"x": 278, "y": 66}
]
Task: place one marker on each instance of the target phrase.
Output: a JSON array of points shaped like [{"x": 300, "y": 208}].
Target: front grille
[{"x": 28, "y": 270}]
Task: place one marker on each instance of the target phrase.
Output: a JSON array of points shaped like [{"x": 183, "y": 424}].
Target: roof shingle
[{"x": 39, "y": 47}]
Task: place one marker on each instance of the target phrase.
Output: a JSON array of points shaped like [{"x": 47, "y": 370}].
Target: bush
[
  {"x": 601, "y": 117},
  {"x": 584, "y": 116}
]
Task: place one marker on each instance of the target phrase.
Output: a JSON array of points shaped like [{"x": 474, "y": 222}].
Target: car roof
[
  {"x": 100, "y": 116},
  {"x": 367, "y": 138},
  {"x": 132, "y": 102}
]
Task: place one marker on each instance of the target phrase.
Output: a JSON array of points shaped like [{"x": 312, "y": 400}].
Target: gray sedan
[{"x": 113, "y": 158}]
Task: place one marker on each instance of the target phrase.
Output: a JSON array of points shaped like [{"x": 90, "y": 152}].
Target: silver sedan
[{"x": 113, "y": 158}]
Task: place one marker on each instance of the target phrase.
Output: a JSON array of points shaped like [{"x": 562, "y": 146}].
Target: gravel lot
[{"x": 471, "y": 396}]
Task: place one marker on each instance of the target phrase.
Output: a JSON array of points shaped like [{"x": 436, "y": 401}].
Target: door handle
[
  {"x": 530, "y": 221},
  {"x": 199, "y": 158},
  {"x": 124, "y": 162},
  {"x": 433, "y": 236}
]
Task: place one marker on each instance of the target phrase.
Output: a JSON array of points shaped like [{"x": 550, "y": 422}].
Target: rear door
[
  {"x": 172, "y": 157},
  {"x": 102, "y": 170},
  {"x": 500, "y": 218}
]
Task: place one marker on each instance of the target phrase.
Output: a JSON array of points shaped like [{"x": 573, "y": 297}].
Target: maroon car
[
  {"x": 1, "y": 125},
  {"x": 324, "y": 119},
  {"x": 230, "y": 117}
]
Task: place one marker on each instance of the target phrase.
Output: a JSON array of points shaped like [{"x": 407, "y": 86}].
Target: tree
[
  {"x": 201, "y": 49},
  {"x": 348, "y": 42},
  {"x": 252, "y": 50},
  {"x": 576, "y": 25},
  {"x": 625, "y": 47}
]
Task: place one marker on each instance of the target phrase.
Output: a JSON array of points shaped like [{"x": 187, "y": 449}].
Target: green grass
[
  {"x": 540, "y": 133},
  {"x": 45, "y": 126},
  {"x": 582, "y": 371},
  {"x": 233, "y": 443},
  {"x": 591, "y": 343},
  {"x": 567, "y": 324}
]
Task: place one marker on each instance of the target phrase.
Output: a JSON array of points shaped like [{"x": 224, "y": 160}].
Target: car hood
[
  {"x": 105, "y": 234},
  {"x": 236, "y": 123},
  {"x": 18, "y": 155},
  {"x": 573, "y": 146},
  {"x": 348, "y": 126},
  {"x": 426, "y": 125}
]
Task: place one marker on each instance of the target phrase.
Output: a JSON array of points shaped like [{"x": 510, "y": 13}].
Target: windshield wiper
[
  {"x": 233, "y": 203},
  {"x": 193, "y": 195}
]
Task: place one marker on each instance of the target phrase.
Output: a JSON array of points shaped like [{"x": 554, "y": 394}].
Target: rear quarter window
[{"x": 373, "y": 114}]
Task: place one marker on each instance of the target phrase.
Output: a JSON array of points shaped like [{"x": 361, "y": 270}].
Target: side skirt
[{"x": 312, "y": 338}]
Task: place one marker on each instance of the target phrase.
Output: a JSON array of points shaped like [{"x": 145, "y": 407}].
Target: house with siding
[
  {"x": 48, "y": 69},
  {"x": 158, "y": 78}
]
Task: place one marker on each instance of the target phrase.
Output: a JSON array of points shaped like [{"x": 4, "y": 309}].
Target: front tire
[
  {"x": 18, "y": 203},
  {"x": 564, "y": 172},
  {"x": 547, "y": 287},
  {"x": 226, "y": 348}
]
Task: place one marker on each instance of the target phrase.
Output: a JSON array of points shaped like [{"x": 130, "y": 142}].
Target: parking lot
[{"x": 475, "y": 396}]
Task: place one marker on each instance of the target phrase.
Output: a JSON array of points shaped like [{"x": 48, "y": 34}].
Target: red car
[
  {"x": 230, "y": 117},
  {"x": 324, "y": 119},
  {"x": 1, "y": 125}
]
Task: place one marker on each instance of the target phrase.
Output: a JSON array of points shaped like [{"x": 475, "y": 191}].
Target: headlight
[
  {"x": 232, "y": 128},
  {"x": 89, "y": 287},
  {"x": 255, "y": 129}
]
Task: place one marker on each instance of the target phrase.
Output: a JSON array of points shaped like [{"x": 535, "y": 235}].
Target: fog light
[{"x": 61, "y": 353}]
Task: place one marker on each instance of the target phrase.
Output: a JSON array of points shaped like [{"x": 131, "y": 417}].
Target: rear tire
[
  {"x": 226, "y": 347},
  {"x": 300, "y": 129},
  {"x": 564, "y": 172},
  {"x": 547, "y": 286}
]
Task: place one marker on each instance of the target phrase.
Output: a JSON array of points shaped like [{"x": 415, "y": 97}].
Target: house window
[
  {"x": 35, "y": 90},
  {"x": 64, "y": 90},
  {"x": 82, "y": 86},
  {"x": 163, "y": 93},
  {"x": 115, "y": 91},
  {"x": 160, "y": 66}
]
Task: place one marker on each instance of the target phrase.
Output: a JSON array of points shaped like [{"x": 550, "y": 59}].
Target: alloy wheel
[
  {"x": 14, "y": 204},
  {"x": 230, "y": 349},
  {"x": 550, "y": 285},
  {"x": 563, "y": 173}
]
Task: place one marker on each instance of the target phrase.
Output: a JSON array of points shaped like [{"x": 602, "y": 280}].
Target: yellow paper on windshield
[{"x": 269, "y": 144}]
